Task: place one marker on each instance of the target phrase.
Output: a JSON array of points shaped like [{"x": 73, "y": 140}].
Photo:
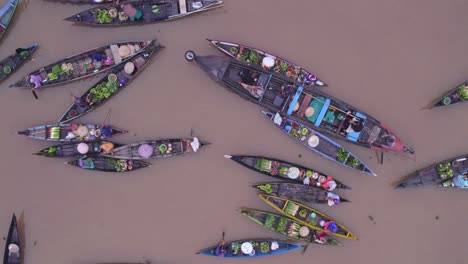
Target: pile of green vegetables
[
  {"x": 342, "y": 155},
  {"x": 264, "y": 247},
  {"x": 291, "y": 208},
  {"x": 269, "y": 220},
  {"x": 444, "y": 170},
  {"x": 281, "y": 227},
  {"x": 463, "y": 92},
  {"x": 353, "y": 162},
  {"x": 266, "y": 188},
  {"x": 103, "y": 91},
  {"x": 103, "y": 16}
]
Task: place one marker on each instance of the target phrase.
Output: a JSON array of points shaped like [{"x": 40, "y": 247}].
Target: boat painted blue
[
  {"x": 320, "y": 143},
  {"x": 233, "y": 248}
]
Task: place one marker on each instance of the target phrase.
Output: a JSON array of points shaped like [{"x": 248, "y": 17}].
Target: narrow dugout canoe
[
  {"x": 13, "y": 248},
  {"x": 253, "y": 248},
  {"x": 12, "y": 63},
  {"x": 106, "y": 164}
]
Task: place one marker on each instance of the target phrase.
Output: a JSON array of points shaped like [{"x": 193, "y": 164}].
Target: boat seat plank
[
  {"x": 322, "y": 112},
  {"x": 304, "y": 105},
  {"x": 183, "y": 6},
  {"x": 294, "y": 100}
]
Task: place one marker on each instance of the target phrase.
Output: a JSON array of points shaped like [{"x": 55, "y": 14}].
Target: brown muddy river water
[{"x": 388, "y": 58}]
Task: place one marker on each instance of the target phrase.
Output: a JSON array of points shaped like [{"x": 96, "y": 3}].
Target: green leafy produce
[
  {"x": 103, "y": 16},
  {"x": 51, "y": 151},
  {"x": 303, "y": 213},
  {"x": 342, "y": 155},
  {"x": 233, "y": 50},
  {"x": 264, "y": 247},
  {"x": 254, "y": 57},
  {"x": 463, "y": 92},
  {"x": 266, "y": 188},
  {"x": 269, "y": 220},
  {"x": 291, "y": 208},
  {"x": 281, "y": 227},
  {"x": 353, "y": 162}
]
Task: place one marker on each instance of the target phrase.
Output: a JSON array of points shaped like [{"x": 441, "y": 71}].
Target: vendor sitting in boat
[
  {"x": 248, "y": 76},
  {"x": 86, "y": 163},
  {"x": 460, "y": 181},
  {"x": 352, "y": 124}
]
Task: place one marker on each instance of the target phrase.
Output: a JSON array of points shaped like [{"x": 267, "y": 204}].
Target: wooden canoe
[
  {"x": 255, "y": 56},
  {"x": 6, "y": 14},
  {"x": 304, "y": 214},
  {"x": 455, "y": 96},
  {"x": 71, "y": 132},
  {"x": 162, "y": 148},
  {"x": 95, "y": 96},
  {"x": 306, "y": 104},
  {"x": 438, "y": 173},
  {"x": 261, "y": 248},
  {"x": 83, "y": 64},
  {"x": 106, "y": 164},
  {"x": 285, "y": 170},
  {"x": 285, "y": 226},
  {"x": 318, "y": 142},
  {"x": 296, "y": 191},
  {"x": 70, "y": 149},
  {"x": 143, "y": 12},
  {"x": 12, "y": 63},
  {"x": 13, "y": 248}
]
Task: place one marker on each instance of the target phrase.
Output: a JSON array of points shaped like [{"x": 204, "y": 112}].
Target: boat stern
[
  {"x": 214, "y": 66},
  {"x": 392, "y": 142}
]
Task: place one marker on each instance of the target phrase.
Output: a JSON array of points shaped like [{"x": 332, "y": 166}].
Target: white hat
[
  {"x": 332, "y": 185},
  {"x": 304, "y": 231},
  {"x": 313, "y": 141},
  {"x": 13, "y": 248},
  {"x": 82, "y": 148},
  {"x": 246, "y": 248}
]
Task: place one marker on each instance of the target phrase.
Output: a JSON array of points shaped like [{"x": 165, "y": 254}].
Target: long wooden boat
[
  {"x": 318, "y": 142},
  {"x": 253, "y": 247},
  {"x": 106, "y": 164},
  {"x": 83, "y": 64},
  {"x": 299, "y": 192},
  {"x": 455, "y": 96},
  {"x": 142, "y": 12},
  {"x": 102, "y": 91},
  {"x": 6, "y": 14},
  {"x": 286, "y": 226},
  {"x": 76, "y": 149},
  {"x": 305, "y": 215},
  {"x": 162, "y": 148},
  {"x": 13, "y": 244},
  {"x": 438, "y": 173},
  {"x": 12, "y": 63},
  {"x": 287, "y": 171},
  {"x": 71, "y": 132},
  {"x": 256, "y": 56},
  {"x": 306, "y": 104}
]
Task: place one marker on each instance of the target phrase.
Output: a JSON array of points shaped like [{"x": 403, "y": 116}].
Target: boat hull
[
  {"x": 71, "y": 132},
  {"x": 106, "y": 164},
  {"x": 13, "y": 240}
]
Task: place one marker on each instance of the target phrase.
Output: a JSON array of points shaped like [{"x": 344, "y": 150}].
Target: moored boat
[
  {"x": 267, "y": 61},
  {"x": 318, "y": 142},
  {"x": 142, "y": 12},
  {"x": 83, "y": 64},
  {"x": 440, "y": 173},
  {"x": 306, "y": 104},
  {"x": 250, "y": 248},
  {"x": 455, "y": 96},
  {"x": 13, "y": 248},
  {"x": 162, "y": 148},
  {"x": 106, "y": 164},
  {"x": 117, "y": 78},
  {"x": 300, "y": 192},
  {"x": 288, "y": 171},
  {"x": 75, "y": 149},
  {"x": 289, "y": 227},
  {"x": 6, "y": 14},
  {"x": 71, "y": 132},
  {"x": 13, "y": 62},
  {"x": 306, "y": 215}
]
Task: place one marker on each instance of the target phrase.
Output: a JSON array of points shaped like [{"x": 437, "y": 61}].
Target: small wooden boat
[
  {"x": 299, "y": 192},
  {"x": 318, "y": 142},
  {"x": 13, "y": 62},
  {"x": 77, "y": 149},
  {"x": 288, "y": 227},
  {"x": 6, "y": 14},
  {"x": 117, "y": 78},
  {"x": 288, "y": 171},
  {"x": 439, "y": 173},
  {"x": 106, "y": 164},
  {"x": 304, "y": 215},
  {"x": 71, "y": 132},
  {"x": 142, "y": 12},
  {"x": 455, "y": 96},
  {"x": 162, "y": 148},
  {"x": 256, "y": 56},
  {"x": 83, "y": 64},
  {"x": 253, "y": 247},
  {"x": 13, "y": 244},
  {"x": 306, "y": 104}
]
